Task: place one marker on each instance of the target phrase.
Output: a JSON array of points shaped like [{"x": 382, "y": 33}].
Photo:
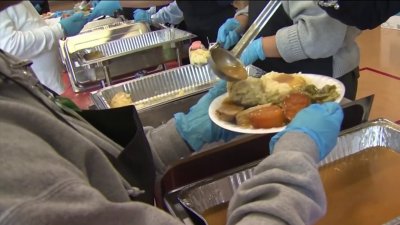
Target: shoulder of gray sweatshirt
[{"x": 52, "y": 174}]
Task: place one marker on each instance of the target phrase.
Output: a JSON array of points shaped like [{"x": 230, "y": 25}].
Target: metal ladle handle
[{"x": 256, "y": 27}]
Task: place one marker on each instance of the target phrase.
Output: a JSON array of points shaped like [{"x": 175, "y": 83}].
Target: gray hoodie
[{"x": 52, "y": 174}]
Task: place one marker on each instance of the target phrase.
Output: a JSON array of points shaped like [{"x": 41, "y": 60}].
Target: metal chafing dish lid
[{"x": 98, "y": 37}]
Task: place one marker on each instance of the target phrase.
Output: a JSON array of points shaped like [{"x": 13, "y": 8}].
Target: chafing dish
[
  {"x": 99, "y": 54},
  {"x": 195, "y": 198}
]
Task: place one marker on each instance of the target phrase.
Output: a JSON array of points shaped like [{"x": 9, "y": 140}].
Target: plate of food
[{"x": 267, "y": 104}]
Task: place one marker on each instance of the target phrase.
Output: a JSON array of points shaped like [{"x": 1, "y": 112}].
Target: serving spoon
[{"x": 226, "y": 64}]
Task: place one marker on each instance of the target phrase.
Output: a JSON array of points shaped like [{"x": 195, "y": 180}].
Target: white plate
[{"x": 318, "y": 80}]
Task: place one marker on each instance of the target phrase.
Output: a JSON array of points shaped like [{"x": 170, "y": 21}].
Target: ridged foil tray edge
[
  {"x": 149, "y": 40},
  {"x": 163, "y": 87}
]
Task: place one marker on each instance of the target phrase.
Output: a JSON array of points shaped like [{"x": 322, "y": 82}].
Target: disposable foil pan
[
  {"x": 137, "y": 43},
  {"x": 103, "y": 24},
  {"x": 163, "y": 87},
  {"x": 211, "y": 192}
]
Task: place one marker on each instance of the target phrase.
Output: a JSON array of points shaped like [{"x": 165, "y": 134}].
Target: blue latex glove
[
  {"x": 321, "y": 122},
  {"x": 196, "y": 127},
  {"x": 105, "y": 8},
  {"x": 227, "y": 35},
  {"x": 73, "y": 25},
  {"x": 253, "y": 52},
  {"x": 140, "y": 15}
]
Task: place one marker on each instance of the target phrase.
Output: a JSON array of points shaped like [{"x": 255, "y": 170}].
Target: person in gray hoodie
[
  {"x": 56, "y": 168},
  {"x": 300, "y": 37}
]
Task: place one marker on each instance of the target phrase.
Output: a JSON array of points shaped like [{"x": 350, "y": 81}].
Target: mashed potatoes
[
  {"x": 199, "y": 56},
  {"x": 121, "y": 99},
  {"x": 270, "y": 88},
  {"x": 282, "y": 84}
]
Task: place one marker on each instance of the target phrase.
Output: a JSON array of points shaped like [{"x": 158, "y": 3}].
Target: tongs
[{"x": 225, "y": 64}]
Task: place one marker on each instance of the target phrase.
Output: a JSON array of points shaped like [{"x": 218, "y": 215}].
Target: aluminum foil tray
[
  {"x": 205, "y": 194},
  {"x": 103, "y": 24},
  {"x": 163, "y": 87},
  {"x": 111, "y": 34},
  {"x": 129, "y": 45}
]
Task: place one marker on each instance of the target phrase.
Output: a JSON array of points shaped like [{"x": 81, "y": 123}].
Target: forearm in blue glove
[
  {"x": 253, "y": 52},
  {"x": 196, "y": 127},
  {"x": 140, "y": 15},
  {"x": 227, "y": 34},
  {"x": 321, "y": 122},
  {"x": 105, "y": 8},
  {"x": 73, "y": 25}
]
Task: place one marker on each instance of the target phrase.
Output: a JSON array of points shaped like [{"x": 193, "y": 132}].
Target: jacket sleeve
[
  {"x": 166, "y": 144},
  {"x": 314, "y": 34},
  {"x": 285, "y": 189},
  {"x": 27, "y": 44},
  {"x": 168, "y": 14},
  {"x": 365, "y": 14}
]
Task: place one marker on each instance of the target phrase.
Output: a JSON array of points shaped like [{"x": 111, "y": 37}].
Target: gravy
[
  {"x": 361, "y": 189},
  {"x": 235, "y": 71}
]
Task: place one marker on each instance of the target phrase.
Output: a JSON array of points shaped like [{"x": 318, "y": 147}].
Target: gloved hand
[
  {"x": 227, "y": 35},
  {"x": 321, "y": 122},
  {"x": 73, "y": 25},
  {"x": 196, "y": 127},
  {"x": 253, "y": 52},
  {"x": 140, "y": 15},
  {"x": 105, "y": 8}
]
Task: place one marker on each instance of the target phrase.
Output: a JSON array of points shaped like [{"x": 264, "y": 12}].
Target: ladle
[{"x": 225, "y": 64}]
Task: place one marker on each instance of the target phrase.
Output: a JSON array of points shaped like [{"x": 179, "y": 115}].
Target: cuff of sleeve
[
  {"x": 289, "y": 45},
  {"x": 244, "y": 11},
  {"x": 58, "y": 30},
  {"x": 299, "y": 142},
  {"x": 166, "y": 145},
  {"x": 156, "y": 19}
]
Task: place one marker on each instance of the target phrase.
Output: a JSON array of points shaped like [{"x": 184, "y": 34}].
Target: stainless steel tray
[
  {"x": 115, "y": 34},
  {"x": 102, "y": 24},
  {"x": 94, "y": 58},
  {"x": 210, "y": 192},
  {"x": 163, "y": 87},
  {"x": 136, "y": 40}
]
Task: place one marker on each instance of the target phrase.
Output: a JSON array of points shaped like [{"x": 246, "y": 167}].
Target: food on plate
[
  {"x": 295, "y": 102},
  {"x": 198, "y": 54},
  {"x": 272, "y": 100},
  {"x": 227, "y": 111},
  {"x": 121, "y": 99},
  {"x": 267, "y": 117}
]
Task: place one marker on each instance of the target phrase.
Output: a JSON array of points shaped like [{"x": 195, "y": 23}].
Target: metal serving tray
[
  {"x": 163, "y": 87},
  {"x": 95, "y": 57},
  {"x": 202, "y": 195}
]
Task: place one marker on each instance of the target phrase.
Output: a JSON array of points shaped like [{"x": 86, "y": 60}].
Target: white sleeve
[
  {"x": 27, "y": 44},
  {"x": 168, "y": 14}
]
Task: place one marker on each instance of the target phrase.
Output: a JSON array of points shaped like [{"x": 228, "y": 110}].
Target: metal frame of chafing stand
[
  {"x": 105, "y": 64},
  {"x": 146, "y": 58}
]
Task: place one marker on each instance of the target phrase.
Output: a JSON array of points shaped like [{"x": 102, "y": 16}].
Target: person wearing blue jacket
[
  {"x": 202, "y": 18},
  {"x": 300, "y": 37},
  {"x": 362, "y": 14}
]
